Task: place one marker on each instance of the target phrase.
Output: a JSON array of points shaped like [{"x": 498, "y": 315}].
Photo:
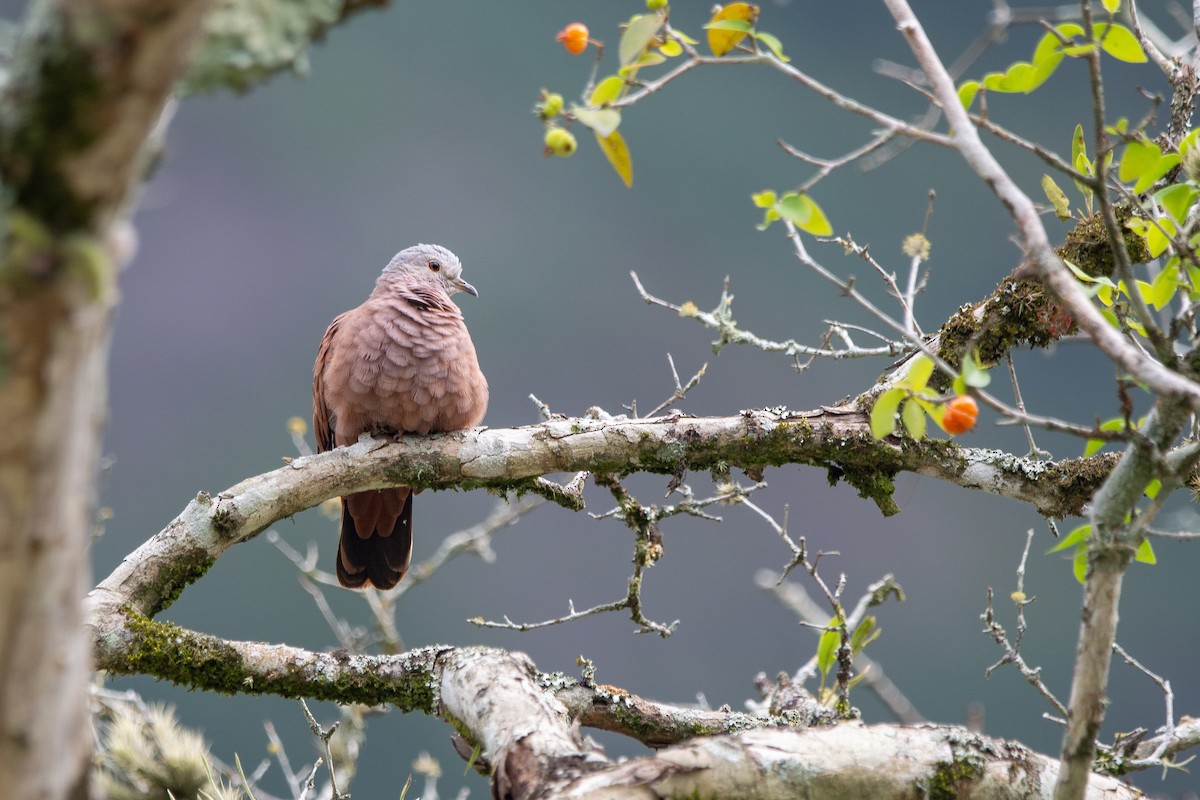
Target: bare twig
[
  {"x": 795, "y": 598},
  {"x": 1034, "y": 450},
  {"x": 721, "y": 320},
  {"x": 325, "y": 734},
  {"x": 1168, "y": 729},
  {"x": 1012, "y": 650},
  {"x": 680, "y": 392}
]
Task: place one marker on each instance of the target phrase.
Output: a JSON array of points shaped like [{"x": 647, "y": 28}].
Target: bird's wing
[{"x": 322, "y": 424}]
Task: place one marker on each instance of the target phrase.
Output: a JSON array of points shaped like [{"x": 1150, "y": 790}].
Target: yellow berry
[{"x": 559, "y": 142}]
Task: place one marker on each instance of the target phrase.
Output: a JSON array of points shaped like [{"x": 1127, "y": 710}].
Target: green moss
[
  {"x": 872, "y": 484},
  {"x": 169, "y": 652},
  {"x": 1020, "y": 312},
  {"x": 1087, "y": 244},
  {"x": 200, "y": 661},
  {"x": 225, "y": 518},
  {"x": 952, "y": 779},
  {"x": 177, "y": 575},
  {"x": 60, "y": 93}
]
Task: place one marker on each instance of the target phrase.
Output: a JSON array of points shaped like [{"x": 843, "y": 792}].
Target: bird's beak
[{"x": 460, "y": 285}]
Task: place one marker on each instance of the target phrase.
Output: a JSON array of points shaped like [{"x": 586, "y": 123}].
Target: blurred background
[{"x": 274, "y": 211}]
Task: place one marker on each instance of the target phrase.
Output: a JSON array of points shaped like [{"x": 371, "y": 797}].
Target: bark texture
[{"x": 88, "y": 82}]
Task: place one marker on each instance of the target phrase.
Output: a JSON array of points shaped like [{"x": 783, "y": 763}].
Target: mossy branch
[
  {"x": 524, "y": 723},
  {"x": 505, "y": 460},
  {"x": 248, "y": 43}
]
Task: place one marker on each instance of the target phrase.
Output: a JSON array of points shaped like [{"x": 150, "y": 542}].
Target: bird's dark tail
[{"x": 376, "y": 542}]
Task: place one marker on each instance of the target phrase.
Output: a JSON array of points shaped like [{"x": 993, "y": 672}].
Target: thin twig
[
  {"x": 1168, "y": 699},
  {"x": 1035, "y": 452},
  {"x": 1012, "y": 651}
]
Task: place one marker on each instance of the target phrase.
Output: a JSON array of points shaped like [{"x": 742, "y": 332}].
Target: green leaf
[
  {"x": 1078, "y": 144},
  {"x": 1048, "y": 54},
  {"x": 671, "y": 48},
  {"x": 1094, "y": 445},
  {"x": 919, "y": 372},
  {"x": 1080, "y": 161},
  {"x": 862, "y": 634},
  {"x": 827, "y": 648},
  {"x": 1162, "y": 291},
  {"x": 1077, "y": 50},
  {"x": 1188, "y": 142},
  {"x": 883, "y": 413},
  {"x": 1153, "y": 488},
  {"x": 1079, "y": 564},
  {"x": 637, "y": 36},
  {"x": 1069, "y": 30},
  {"x": 1075, "y": 537},
  {"x": 1021, "y": 77},
  {"x": 1119, "y": 128},
  {"x": 1193, "y": 273},
  {"x": 764, "y": 199},
  {"x": 1058, "y": 200},
  {"x": 1141, "y": 156},
  {"x": 1145, "y": 553},
  {"x": 803, "y": 212},
  {"x": 773, "y": 44},
  {"x": 1119, "y": 42},
  {"x": 967, "y": 92},
  {"x": 647, "y": 59},
  {"x": 1158, "y": 237},
  {"x": 602, "y": 120},
  {"x": 1111, "y": 6},
  {"x": 769, "y": 216},
  {"x": 913, "y": 417},
  {"x": 607, "y": 90},
  {"x": 1177, "y": 199},
  {"x": 1165, "y": 164},
  {"x": 974, "y": 375}
]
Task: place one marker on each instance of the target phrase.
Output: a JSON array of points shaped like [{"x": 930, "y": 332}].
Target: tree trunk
[{"x": 54, "y": 342}]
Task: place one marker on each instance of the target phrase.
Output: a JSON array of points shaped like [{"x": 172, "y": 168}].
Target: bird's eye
[{"x": 436, "y": 266}]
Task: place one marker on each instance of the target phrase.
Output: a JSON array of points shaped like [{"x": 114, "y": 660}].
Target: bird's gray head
[{"x": 426, "y": 265}]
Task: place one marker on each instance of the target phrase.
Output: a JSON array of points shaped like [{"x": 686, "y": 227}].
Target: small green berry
[
  {"x": 559, "y": 142},
  {"x": 551, "y": 105}
]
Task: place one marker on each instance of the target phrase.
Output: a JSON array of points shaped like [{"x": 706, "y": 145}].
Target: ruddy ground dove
[{"x": 404, "y": 362}]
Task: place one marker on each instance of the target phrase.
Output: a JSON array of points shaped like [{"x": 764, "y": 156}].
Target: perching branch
[{"x": 836, "y": 439}]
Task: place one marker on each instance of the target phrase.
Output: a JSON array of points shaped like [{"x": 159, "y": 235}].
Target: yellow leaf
[
  {"x": 613, "y": 146},
  {"x": 722, "y": 40},
  {"x": 607, "y": 90}
]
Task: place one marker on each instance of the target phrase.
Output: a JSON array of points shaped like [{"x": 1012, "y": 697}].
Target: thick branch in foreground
[{"x": 528, "y": 739}]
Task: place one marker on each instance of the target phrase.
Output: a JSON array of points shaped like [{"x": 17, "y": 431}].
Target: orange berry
[
  {"x": 959, "y": 415},
  {"x": 574, "y": 37}
]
